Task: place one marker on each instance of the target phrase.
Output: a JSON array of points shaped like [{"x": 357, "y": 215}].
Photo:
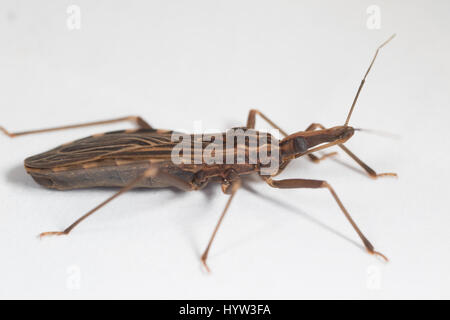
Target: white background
[{"x": 176, "y": 62}]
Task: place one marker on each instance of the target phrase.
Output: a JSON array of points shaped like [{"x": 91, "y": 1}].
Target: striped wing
[{"x": 118, "y": 145}]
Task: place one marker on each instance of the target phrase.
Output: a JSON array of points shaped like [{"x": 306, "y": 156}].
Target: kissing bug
[{"x": 142, "y": 158}]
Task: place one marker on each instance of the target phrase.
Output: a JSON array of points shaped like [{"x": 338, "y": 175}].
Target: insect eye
[{"x": 300, "y": 144}]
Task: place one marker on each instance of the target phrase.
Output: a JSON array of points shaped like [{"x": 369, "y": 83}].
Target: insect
[{"x": 142, "y": 157}]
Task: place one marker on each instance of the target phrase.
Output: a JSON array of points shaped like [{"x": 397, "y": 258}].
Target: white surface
[{"x": 178, "y": 62}]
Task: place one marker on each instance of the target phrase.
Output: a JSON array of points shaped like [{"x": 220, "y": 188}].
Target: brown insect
[{"x": 143, "y": 158}]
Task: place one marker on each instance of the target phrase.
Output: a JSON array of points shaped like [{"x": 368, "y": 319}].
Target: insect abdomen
[{"x": 99, "y": 176}]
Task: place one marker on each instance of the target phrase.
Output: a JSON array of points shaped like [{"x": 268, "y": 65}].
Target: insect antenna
[
  {"x": 379, "y": 133},
  {"x": 364, "y": 79}
]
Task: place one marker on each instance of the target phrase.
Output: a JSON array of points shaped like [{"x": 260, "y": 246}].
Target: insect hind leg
[
  {"x": 151, "y": 172},
  {"x": 141, "y": 123}
]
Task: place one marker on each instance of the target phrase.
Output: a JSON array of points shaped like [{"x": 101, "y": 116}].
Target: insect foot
[
  {"x": 11, "y": 135},
  {"x": 325, "y": 156},
  {"x": 52, "y": 233},
  {"x": 378, "y": 254},
  {"x": 204, "y": 257},
  {"x": 385, "y": 174}
]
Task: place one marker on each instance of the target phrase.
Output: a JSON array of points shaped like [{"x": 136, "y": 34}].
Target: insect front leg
[
  {"x": 230, "y": 184},
  {"x": 372, "y": 173},
  {"x": 141, "y": 123},
  {"x": 314, "y": 184}
]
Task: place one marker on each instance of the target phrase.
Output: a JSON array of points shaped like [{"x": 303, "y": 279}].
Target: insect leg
[
  {"x": 252, "y": 119},
  {"x": 313, "y": 157},
  {"x": 151, "y": 172},
  {"x": 372, "y": 173},
  {"x": 230, "y": 186},
  {"x": 141, "y": 123},
  {"x": 313, "y": 184},
  {"x": 368, "y": 169},
  {"x": 316, "y": 159}
]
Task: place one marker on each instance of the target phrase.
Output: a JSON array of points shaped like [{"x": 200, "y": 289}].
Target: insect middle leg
[
  {"x": 149, "y": 173},
  {"x": 231, "y": 184},
  {"x": 252, "y": 119},
  {"x": 314, "y": 184},
  {"x": 141, "y": 123},
  {"x": 372, "y": 173}
]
